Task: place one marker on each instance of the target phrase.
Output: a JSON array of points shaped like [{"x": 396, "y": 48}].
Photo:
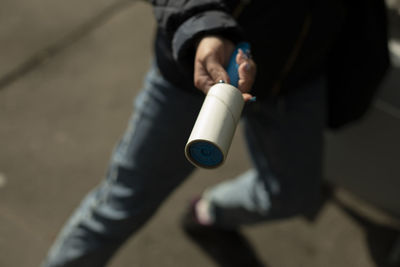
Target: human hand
[{"x": 212, "y": 56}]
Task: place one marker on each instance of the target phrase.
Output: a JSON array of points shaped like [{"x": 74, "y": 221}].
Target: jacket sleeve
[{"x": 184, "y": 21}]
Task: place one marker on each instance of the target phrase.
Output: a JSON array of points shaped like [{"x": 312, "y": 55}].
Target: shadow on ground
[{"x": 382, "y": 241}]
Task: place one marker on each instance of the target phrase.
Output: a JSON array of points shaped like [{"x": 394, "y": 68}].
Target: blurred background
[{"x": 69, "y": 71}]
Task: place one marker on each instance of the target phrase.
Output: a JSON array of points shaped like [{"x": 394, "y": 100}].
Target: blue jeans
[{"x": 285, "y": 140}]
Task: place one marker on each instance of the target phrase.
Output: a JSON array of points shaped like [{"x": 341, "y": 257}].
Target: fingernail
[
  {"x": 247, "y": 67},
  {"x": 245, "y": 55},
  {"x": 253, "y": 99},
  {"x": 248, "y": 53}
]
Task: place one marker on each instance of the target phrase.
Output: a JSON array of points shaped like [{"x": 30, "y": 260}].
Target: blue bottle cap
[{"x": 205, "y": 154}]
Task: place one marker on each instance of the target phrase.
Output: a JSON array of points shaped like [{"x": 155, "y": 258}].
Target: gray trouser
[{"x": 285, "y": 140}]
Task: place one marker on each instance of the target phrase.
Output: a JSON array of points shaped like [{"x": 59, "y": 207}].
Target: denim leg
[
  {"x": 285, "y": 140},
  {"x": 146, "y": 165}
]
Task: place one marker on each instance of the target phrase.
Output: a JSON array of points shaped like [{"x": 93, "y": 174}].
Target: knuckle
[{"x": 197, "y": 83}]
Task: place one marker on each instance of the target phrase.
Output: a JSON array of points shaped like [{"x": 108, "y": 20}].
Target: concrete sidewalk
[{"x": 68, "y": 74}]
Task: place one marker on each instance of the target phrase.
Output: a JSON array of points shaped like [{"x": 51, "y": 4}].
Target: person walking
[{"x": 290, "y": 45}]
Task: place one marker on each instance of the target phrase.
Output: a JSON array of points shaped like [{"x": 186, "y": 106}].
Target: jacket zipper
[{"x": 240, "y": 7}]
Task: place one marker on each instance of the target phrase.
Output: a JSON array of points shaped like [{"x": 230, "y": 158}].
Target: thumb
[{"x": 217, "y": 71}]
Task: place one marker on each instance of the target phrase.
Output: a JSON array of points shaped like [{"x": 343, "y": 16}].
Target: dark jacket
[
  {"x": 290, "y": 38},
  {"x": 293, "y": 41}
]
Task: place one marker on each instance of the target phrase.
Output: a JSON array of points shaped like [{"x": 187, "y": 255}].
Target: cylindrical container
[
  {"x": 215, "y": 126},
  {"x": 216, "y": 123}
]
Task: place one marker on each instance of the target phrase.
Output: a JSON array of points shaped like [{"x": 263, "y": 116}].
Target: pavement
[{"x": 68, "y": 74}]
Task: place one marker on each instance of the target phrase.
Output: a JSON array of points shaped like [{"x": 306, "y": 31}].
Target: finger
[
  {"x": 202, "y": 79},
  {"x": 247, "y": 97},
  {"x": 216, "y": 71},
  {"x": 241, "y": 57},
  {"x": 247, "y": 72}
]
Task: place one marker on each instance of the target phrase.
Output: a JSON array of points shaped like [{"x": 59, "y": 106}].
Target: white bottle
[{"x": 212, "y": 134}]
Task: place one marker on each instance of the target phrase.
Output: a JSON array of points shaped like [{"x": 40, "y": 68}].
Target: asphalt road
[{"x": 68, "y": 74}]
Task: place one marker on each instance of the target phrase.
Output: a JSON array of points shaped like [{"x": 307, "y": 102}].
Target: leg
[
  {"x": 285, "y": 139},
  {"x": 146, "y": 166}
]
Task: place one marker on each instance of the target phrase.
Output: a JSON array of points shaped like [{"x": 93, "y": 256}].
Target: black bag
[{"x": 358, "y": 62}]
